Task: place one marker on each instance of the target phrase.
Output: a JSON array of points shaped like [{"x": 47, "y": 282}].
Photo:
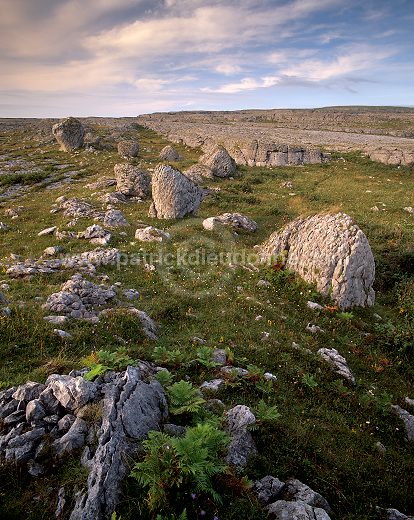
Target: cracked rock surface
[
  {"x": 132, "y": 181},
  {"x": 236, "y": 221},
  {"x": 174, "y": 195},
  {"x": 79, "y": 298},
  {"x": 131, "y": 408},
  {"x": 219, "y": 161},
  {"x": 69, "y": 134},
  {"x": 338, "y": 362},
  {"x": 330, "y": 251},
  {"x": 132, "y": 404},
  {"x": 242, "y": 444}
]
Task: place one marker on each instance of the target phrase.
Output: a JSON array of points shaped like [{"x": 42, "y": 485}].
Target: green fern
[
  {"x": 309, "y": 381},
  {"x": 184, "y": 398},
  {"x": 164, "y": 356},
  {"x": 173, "y": 462},
  {"x": 265, "y": 412},
  {"x": 104, "y": 360},
  {"x": 160, "y": 469},
  {"x": 96, "y": 371},
  {"x": 205, "y": 357},
  {"x": 164, "y": 377}
]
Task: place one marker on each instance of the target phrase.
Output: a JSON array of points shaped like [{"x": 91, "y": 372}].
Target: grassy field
[{"x": 327, "y": 432}]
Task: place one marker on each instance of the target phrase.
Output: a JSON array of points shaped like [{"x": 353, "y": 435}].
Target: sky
[{"x": 128, "y": 57}]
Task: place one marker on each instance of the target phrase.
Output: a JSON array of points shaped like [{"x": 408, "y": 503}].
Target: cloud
[
  {"x": 355, "y": 60},
  {"x": 181, "y": 50},
  {"x": 244, "y": 84},
  {"x": 228, "y": 69}
]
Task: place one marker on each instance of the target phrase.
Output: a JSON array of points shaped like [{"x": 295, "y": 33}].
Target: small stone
[
  {"x": 212, "y": 386},
  {"x": 28, "y": 391},
  {"x": 114, "y": 218},
  {"x": 263, "y": 283},
  {"x": 314, "y": 306},
  {"x": 52, "y": 250},
  {"x": 314, "y": 329},
  {"x": 47, "y": 231},
  {"x": 236, "y": 221},
  {"x": 268, "y": 489},
  {"x": 380, "y": 447},
  {"x": 73, "y": 392},
  {"x": 73, "y": 439},
  {"x": 339, "y": 363},
  {"x": 56, "y": 320},
  {"x": 219, "y": 356},
  {"x": 62, "y": 334},
  {"x": 242, "y": 446},
  {"x": 407, "y": 419},
  {"x": 34, "y": 469},
  {"x": 151, "y": 234},
  {"x": 234, "y": 371},
  {"x": 132, "y": 294},
  {"x": 35, "y": 411}
]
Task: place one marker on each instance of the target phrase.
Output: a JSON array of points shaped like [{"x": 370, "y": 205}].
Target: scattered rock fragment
[
  {"x": 407, "y": 419},
  {"x": 52, "y": 250},
  {"x": 114, "y": 218},
  {"x": 62, "y": 334},
  {"x": 236, "y": 221},
  {"x": 77, "y": 208},
  {"x": 237, "y": 421},
  {"x": 213, "y": 386},
  {"x": 79, "y": 299},
  {"x": 151, "y": 234},
  {"x": 268, "y": 489},
  {"x": 339, "y": 363},
  {"x": 47, "y": 231},
  {"x": 96, "y": 234},
  {"x": 132, "y": 294},
  {"x": 283, "y": 510}
]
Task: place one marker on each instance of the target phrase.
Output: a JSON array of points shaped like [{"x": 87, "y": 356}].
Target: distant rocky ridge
[{"x": 282, "y": 137}]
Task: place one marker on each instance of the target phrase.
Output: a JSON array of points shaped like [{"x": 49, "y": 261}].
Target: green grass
[{"x": 326, "y": 434}]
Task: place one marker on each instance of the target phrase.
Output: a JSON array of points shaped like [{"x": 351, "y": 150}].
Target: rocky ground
[
  {"x": 261, "y": 373},
  {"x": 384, "y": 135}
]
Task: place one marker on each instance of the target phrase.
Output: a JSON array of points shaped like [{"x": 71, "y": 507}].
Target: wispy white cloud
[
  {"x": 244, "y": 84},
  {"x": 350, "y": 61}
]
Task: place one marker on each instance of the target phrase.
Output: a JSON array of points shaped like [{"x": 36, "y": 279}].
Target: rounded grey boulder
[
  {"x": 69, "y": 134},
  {"x": 174, "y": 195},
  {"x": 330, "y": 251},
  {"x": 169, "y": 153},
  {"x": 132, "y": 181},
  {"x": 220, "y": 162},
  {"x": 128, "y": 149}
]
